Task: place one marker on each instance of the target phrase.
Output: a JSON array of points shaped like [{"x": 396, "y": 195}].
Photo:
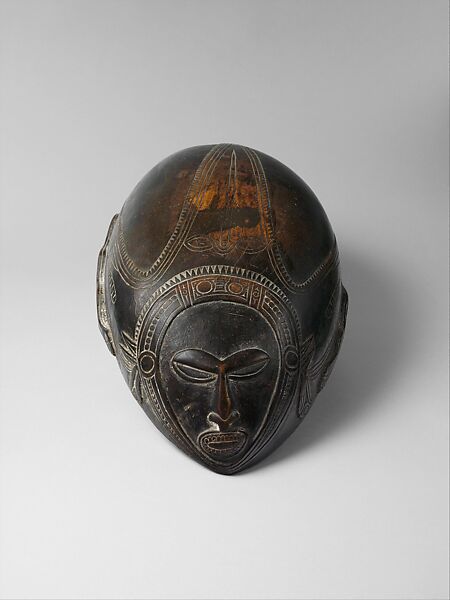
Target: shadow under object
[{"x": 219, "y": 292}]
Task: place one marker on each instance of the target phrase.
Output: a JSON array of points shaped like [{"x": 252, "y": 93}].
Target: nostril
[{"x": 214, "y": 419}]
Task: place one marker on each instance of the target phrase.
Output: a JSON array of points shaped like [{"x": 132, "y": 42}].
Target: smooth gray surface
[{"x": 94, "y": 502}]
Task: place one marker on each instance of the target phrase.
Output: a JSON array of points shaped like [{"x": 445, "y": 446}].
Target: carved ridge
[
  {"x": 132, "y": 274},
  {"x": 275, "y": 257},
  {"x": 102, "y": 313}
]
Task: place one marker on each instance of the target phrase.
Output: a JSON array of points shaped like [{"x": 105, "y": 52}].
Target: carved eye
[
  {"x": 191, "y": 373},
  {"x": 199, "y": 243},
  {"x": 195, "y": 365},
  {"x": 246, "y": 363},
  {"x": 201, "y": 367}
]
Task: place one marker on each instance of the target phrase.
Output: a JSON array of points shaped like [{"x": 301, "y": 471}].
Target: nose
[{"x": 223, "y": 413}]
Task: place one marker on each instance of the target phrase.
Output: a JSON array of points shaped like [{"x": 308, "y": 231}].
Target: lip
[{"x": 222, "y": 445}]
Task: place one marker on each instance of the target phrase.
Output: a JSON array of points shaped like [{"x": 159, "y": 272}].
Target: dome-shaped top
[{"x": 224, "y": 203}]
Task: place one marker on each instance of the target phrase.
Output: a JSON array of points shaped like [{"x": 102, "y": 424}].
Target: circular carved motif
[
  {"x": 235, "y": 288},
  {"x": 147, "y": 363},
  {"x": 204, "y": 287},
  {"x": 291, "y": 358}
]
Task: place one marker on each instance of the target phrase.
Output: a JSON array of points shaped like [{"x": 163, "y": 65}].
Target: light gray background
[{"x": 94, "y": 502}]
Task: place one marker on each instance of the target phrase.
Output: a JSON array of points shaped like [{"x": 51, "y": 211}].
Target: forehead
[{"x": 221, "y": 328}]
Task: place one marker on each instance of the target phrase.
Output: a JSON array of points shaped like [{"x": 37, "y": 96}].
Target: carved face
[
  {"x": 215, "y": 362},
  {"x": 219, "y": 365}
]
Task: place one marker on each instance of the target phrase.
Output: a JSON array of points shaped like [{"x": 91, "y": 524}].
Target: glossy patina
[{"x": 219, "y": 291}]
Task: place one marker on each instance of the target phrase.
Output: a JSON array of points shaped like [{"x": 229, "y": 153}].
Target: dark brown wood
[{"x": 219, "y": 292}]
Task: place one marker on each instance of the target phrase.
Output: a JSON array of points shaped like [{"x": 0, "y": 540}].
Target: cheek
[
  {"x": 253, "y": 397},
  {"x": 189, "y": 401}
]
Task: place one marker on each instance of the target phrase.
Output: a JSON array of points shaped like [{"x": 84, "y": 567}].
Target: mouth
[{"x": 222, "y": 445}]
